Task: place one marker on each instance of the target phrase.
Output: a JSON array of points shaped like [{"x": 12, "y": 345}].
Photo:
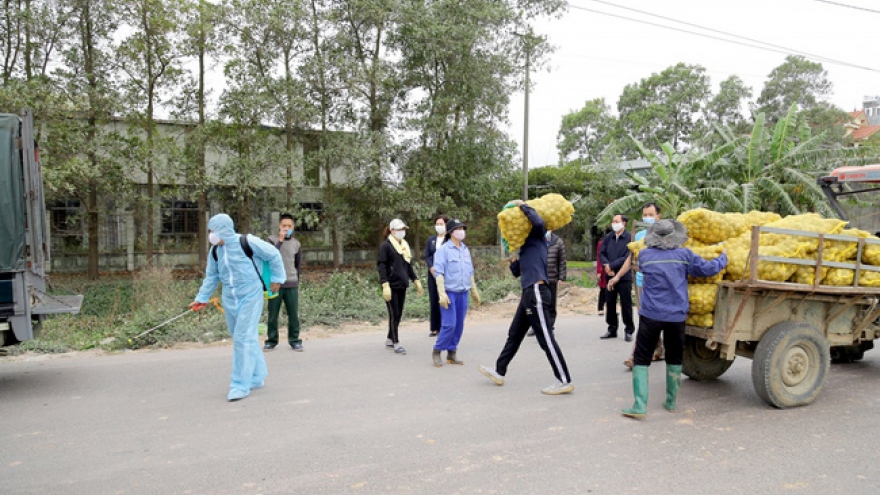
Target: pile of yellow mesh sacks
[
  {"x": 554, "y": 209},
  {"x": 711, "y": 232}
]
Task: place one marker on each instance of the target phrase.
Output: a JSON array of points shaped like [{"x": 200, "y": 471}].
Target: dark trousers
[
  {"x": 533, "y": 311},
  {"x": 603, "y": 293},
  {"x": 554, "y": 288},
  {"x": 434, "y": 302},
  {"x": 290, "y": 298},
  {"x": 624, "y": 290},
  {"x": 395, "y": 312},
  {"x": 649, "y": 335}
]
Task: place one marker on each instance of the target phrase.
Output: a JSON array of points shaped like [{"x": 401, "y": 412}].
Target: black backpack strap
[
  {"x": 214, "y": 253},
  {"x": 246, "y": 247}
]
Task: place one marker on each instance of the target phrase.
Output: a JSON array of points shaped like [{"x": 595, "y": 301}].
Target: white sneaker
[
  {"x": 558, "y": 388},
  {"x": 398, "y": 349},
  {"x": 389, "y": 344},
  {"x": 492, "y": 375}
]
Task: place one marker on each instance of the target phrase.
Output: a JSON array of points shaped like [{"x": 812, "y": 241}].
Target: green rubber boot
[
  {"x": 673, "y": 381},
  {"x": 640, "y": 391}
]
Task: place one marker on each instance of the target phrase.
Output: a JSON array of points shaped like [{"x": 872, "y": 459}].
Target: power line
[
  {"x": 856, "y": 7},
  {"x": 732, "y": 35},
  {"x": 769, "y": 46}
]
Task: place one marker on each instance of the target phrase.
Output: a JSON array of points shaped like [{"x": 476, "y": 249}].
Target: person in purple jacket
[
  {"x": 665, "y": 266},
  {"x": 534, "y": 308}
]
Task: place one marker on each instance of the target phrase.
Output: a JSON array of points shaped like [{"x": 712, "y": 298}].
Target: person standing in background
[
  {"x": 431, "y": 247},
  {"x": 601, "y": 281},
  {"x": 557, "y": 270},
  {"x": 613, "y": 255},
  {"x": 395, "y": 273},
  {"x": 291, "y": 253}
]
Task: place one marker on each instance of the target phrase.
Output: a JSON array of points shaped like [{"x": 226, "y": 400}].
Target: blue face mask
[
  {"x": 288, "y": 233},
  {"x": 648, "y": 220},
  {"x": 547, "y": 236}
]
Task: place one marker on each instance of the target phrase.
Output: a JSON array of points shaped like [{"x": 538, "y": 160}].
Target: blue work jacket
[{"x": 665, "y": 289}]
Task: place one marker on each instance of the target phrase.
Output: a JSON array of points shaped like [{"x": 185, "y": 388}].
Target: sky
[{"x": 598, "y": 55}]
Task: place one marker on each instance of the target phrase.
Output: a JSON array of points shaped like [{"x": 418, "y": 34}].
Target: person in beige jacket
[{"x": 288, "y": 295}]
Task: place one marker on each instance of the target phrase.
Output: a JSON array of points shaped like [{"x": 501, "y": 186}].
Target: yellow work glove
[
  {"x": 419, "y": 287},
  {"x": 386, "y": 292},
  {"x": 441, "y": 292},
  {"x": 478, "y": 300}
]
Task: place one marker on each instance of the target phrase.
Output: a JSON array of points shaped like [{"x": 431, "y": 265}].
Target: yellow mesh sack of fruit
[
  {"x": 808, "y": 222},
  {"x": 708, "y": 280},
  {"x": 706, "y": 320},
  {"x": 869, "y": 279},
  {"x": 712, "y": 227},
  {"x": 692, "y": 243},
  {"x": 804, "y": 274},
  {"x": 761, "y": 218},
  {"x": 708, "y": 253},
  {"x": 871, "y": 253},
  {"x": 702, "y": 298},
  {"x": 737, "y": 266},
  {"x": 554, "y": 209},
  {"x": 839, "y": 277},
  {"x": 636, "y": 247}
]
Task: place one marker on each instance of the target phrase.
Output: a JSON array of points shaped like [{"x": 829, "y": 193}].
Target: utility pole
[{"x": 526, "y": 124}]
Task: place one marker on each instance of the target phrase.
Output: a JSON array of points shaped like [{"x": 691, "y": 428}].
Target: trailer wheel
[
  {"x": 701, "y": 363},
  {"x": 790, "y": 364}
]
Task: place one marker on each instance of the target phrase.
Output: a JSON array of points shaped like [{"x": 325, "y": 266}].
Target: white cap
[{"x": 397, "y": 224}]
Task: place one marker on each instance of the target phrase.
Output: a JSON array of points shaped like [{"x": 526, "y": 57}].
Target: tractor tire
[
  {"x": 790, "y": 364},
  {"x": 701, "y": 363}
]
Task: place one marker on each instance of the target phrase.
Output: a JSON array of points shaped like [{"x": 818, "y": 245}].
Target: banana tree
[
  {"x": 777, "y": 171},
  {"x": 676, "y": 182}
]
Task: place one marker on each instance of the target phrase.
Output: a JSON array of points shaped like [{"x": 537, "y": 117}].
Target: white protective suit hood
[{"x": 223, "y": 226}]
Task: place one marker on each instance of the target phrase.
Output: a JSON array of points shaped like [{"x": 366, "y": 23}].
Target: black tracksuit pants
[
  {"x": 395, "y": 312},
  {"x": 534, "y": 311}
]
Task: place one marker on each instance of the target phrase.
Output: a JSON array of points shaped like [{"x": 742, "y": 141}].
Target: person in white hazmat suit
[{"x": 242, "y": 298}]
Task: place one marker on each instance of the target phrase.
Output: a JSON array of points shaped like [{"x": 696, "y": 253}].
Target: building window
[
  {"x": 180, "y": 218},
  {"x": 66, "y": 222},
  {"x": 317, "y": 209}
]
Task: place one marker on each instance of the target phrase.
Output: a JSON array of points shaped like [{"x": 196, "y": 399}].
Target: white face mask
[
  {"x": 214, "y": 239},
  {"x": 459, "y": 234},
  {"x": 400, "y": 234},
  {"x": 441, "y": 229},
  {"x": 617, "y": 227}
]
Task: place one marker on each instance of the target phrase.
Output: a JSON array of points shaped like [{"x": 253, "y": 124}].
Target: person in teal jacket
[{"x": 242, "y": 298}]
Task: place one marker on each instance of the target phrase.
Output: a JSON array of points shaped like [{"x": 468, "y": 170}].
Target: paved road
[{"x": 347, "y": 416}]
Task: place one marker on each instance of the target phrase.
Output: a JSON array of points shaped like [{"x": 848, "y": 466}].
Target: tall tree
[
  {"x": 80, "y": 157},
  {"x": 270, "y": 44},
  {"x": 663, "y": 107},
  {"x": 587, "y": 134},
  {"x": 797, "y": 81},
  {"x": 203, "y": 40},
  {"x": 149, "y": 57}
]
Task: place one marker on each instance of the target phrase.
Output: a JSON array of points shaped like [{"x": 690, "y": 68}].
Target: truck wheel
[
  {"x": 790, "y": 364},
  {"x": 701, "y": 363}
]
